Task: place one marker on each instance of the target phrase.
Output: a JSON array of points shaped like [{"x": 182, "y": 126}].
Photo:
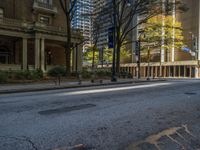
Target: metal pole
[
  {"x": 148, "y": 76},
  {"x": 76, "y": 67},
  {"x": 102, "y": 59},
  {"x": 138, "y": 62},
  {"x": 114, "y": 79}
]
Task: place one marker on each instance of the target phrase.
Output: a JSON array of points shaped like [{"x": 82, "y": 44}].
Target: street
[{"x": 145, "y": 116}]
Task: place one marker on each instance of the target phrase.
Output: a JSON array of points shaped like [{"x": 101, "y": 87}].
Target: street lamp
[
  {"x": 114, "y": 78},
  {"x": 137, "y": 53}
]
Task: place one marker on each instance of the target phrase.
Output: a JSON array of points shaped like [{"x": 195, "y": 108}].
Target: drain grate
[
  {"x": 190, "y": 93},
  {"x": 65, "y": 109}
]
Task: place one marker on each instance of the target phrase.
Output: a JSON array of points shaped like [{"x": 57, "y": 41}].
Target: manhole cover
[
  {"x": 190, "y": 93},
  {"x": 65, "y": 109}
]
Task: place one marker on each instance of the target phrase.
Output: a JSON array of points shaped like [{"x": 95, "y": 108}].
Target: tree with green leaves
[
  {"x": 125, "y": 53},
  {"x": 153, "y": 34},
  {"x": 91, "y": 55},
  {"x": 125, "y": 11},
  {"x": 151, "y": 41}
]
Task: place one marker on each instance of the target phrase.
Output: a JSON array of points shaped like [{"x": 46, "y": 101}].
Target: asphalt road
[{"x": 153, "y": 116}]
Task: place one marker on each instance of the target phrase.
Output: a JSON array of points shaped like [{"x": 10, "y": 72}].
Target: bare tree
[
  {"x": 125, "y": 11},
  {"x": 68, "y": 8}
]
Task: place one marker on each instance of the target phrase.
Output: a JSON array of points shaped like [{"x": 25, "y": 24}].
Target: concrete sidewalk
[{"x": 34, "y": 87}]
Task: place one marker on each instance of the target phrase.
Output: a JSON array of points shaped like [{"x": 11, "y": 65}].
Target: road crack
[
  {"x": 155, "y": 139},
  {"x": 22, "y": 138}
]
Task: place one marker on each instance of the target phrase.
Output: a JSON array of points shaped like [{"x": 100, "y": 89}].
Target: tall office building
[
  {"x": 177, "y": 62},
  {"x": 173, "y": 54},
  {"x": 191, "y": 26},
  {"x": 82, "y": 20},
  {"x": 103, "y": 18}
]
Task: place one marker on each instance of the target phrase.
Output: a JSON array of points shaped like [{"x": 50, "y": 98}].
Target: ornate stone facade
[{"x": 33, "y": 35}]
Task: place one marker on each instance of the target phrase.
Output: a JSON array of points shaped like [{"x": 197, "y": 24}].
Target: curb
[{"x": 74, "y": 86}]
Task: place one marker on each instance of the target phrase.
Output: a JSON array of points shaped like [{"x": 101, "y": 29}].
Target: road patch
[{"x": 65, "y": 109}]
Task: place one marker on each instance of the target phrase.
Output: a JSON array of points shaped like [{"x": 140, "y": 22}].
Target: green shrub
[
  {"x": 100, "y": 73},
  {"x": 26, "y": 75},
  {"x": 3, "y": 77},
  {"x": 103, "y": 73},
  {"x": 20, "y": 75},
  {"x": 36, "y": 74},
  {"x": 57, "y": 71},
  {"x": 74, "y": 74},
  {"x": 125, "y": 75},
  {"x": 86, "y": 74}
]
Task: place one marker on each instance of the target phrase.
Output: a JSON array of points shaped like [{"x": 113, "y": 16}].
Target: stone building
[
  {"x": 180, "y": 63},
  {"x": 33, "y": 35}
]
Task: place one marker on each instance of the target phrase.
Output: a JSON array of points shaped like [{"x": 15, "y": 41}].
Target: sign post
[{"x": 137, "y": 54}]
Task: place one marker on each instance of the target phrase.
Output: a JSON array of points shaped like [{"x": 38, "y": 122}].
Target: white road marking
[{"x": 113, "y": 89}]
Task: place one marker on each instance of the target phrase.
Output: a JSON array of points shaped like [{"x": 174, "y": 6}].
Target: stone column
[
  {"x": 174, "y": 74},
  {"x": 185, "y": 70},
  {"x": 152, "y": 71},
  {"x": 196, "y": 72},
  {"x": 42, "y": 54},
  {"x": 190, "y": 75},
  {"x": 164, "y": 71},
  {"x": 156, "y": 71},
  {"x": 37, "y": 53},
  {"x": 79, "y": 58},
  {"x": 169, "y": 71},
  {"x": 179, "y": 71},
  {"x": 74, "y": 59},
  {"x": 162, "y": 57},
  {"x": 173, "y": 30},
  {"x": 24, "y": 53},
  {"x": 133, "y": 70},
  {"x": 145, "y": 73}
]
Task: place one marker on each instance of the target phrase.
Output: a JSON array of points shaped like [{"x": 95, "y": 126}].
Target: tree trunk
[
  {"x": 118, "y": 48},
  {"x": 93, "y": 57},
  {"x": 68, "y": 58},
  {"x": 68, "y": 46},
  {"x": 148, "y": 73},
  {"x": 118, "y": 58}
]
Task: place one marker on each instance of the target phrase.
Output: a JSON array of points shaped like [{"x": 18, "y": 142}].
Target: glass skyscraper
[
  {"x": 82, "y": 20},
  {"x": 105, "y": 20}
]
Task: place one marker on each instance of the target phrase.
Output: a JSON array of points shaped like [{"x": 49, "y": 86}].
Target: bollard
[
  {"x": 79, "y": 79},
  {"x": 93, "y": 76},
  {"x": 101, "y": 81}
]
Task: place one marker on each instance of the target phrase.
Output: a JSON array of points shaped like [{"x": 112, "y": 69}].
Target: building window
[
  {"x": 45, "y": 19},
  {"x": 1, "y": 13},
  {"x": 45, "y": 1},
  {"x": 49, "y": 57},
  {"x": 4, "y": 55}
]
